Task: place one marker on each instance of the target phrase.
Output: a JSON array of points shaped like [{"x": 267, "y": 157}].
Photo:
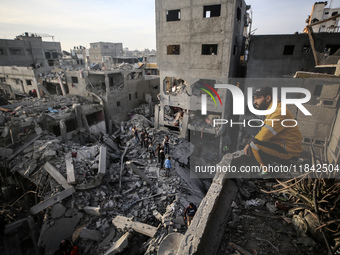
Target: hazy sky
[{"x": 132, "y": 22}]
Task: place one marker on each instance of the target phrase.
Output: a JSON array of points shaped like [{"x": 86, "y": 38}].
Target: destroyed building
[
  {"x": 104, "y": 52},
  {"x": 198, "y": 45},
  {"x": 29, "y": 49}
]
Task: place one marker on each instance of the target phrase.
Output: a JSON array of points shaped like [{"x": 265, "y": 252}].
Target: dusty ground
[{"x": 260, "y": 230}]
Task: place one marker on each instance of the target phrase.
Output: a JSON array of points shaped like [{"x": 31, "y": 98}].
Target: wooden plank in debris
[
  {"x": 56, "y": 175},
  {"x": 52, "y": 200},
  {"x": 24, "y": 147},
  {"x": 71, "y": 179}
]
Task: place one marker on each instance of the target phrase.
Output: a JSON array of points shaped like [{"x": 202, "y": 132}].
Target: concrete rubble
[{"x": 92, "y": 190}]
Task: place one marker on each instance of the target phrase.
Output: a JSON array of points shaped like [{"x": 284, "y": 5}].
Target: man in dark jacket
[{"x": 189, "y": 213}]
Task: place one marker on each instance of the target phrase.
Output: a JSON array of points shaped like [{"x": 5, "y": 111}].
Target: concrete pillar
[
  {"x": 156, "y": 116},
  {"x": 102, "y": 160}
]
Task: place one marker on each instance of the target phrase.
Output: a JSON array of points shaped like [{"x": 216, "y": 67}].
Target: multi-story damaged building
[
  {"x": 29, "y": 49},
  {"x": 199, "y": 44},
  {"x": 104, "y": 52},
  {"x": 321, "y": 13}
]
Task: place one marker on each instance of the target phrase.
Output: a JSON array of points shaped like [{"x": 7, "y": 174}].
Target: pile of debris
[{"x": 89, "y": 187}]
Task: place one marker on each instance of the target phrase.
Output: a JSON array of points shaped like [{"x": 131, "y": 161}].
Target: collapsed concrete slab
[
  {"x": 52, "y": 200},
  {"x": 71, "y": 179},
  {"x": 122, "y": 222}
]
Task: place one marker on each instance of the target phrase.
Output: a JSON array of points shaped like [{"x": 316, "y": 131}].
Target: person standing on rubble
[
  {"x": 167, "y": 165},
  {"x": 152, "y": 151},
  {"x": 162, "y": 156},
  {"x": 146, "y": 141},
  {"x": 166, "y": 144},
  {"x": 274, "y": 142},
  {"x": 189, "y": 213},
  {"x": 135, "y": 134}
]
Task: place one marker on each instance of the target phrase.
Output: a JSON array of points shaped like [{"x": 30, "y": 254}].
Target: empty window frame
[
  {"x": 118, "y": 103},
  {"x": 54, "y": 54},
  {"x": 209, "y": 49},
  {"x": 317, "y": 90},
  {"x": 136, "y": 96},
  {"x": 212, "y": 11},
  {"x": 1, "y": 51},
  {"x": 47, "y": 55},
  {"x": 288, "y": 50},
  {"x": 74, "y": 79},
  {"x": 29, "y": 82},
  {"x": 173, "y": 49},
  {"x": 173, "y": 15},
  {"x": 334, "y": 13},
  {"x": 238, "y": 14},
  {"x": 130, "y": 97}
]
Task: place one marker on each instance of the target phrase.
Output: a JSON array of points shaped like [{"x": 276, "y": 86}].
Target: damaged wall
[
  {"x": 282, "y": 55},
  {"x": 21, "y": 79},
  {"x": 29, "y": 50}
]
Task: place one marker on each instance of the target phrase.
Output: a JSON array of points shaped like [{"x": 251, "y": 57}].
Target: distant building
[
  {"x": 320, "y": 13},
  {"x": 104, "y": 52},
  {"x": 29, "y": 50}
]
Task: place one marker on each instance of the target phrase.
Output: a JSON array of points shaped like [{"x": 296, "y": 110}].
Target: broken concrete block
[
  {"x": 122, "y": 222},
  {"x": 71, "y": 179},
  {"x": 102, "y": 160},
  {"x": 52, "y": 200},
  {"x": 57, "y": 211},
  {"x": 93, "y": 235},
  {"x": 56, "y": 175},
  {"x": 119, "y": 246},
  {"x": 95, "y": 211}
]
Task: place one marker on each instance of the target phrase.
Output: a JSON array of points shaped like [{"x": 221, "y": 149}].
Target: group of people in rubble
[{"x": 162, "y": 149}]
